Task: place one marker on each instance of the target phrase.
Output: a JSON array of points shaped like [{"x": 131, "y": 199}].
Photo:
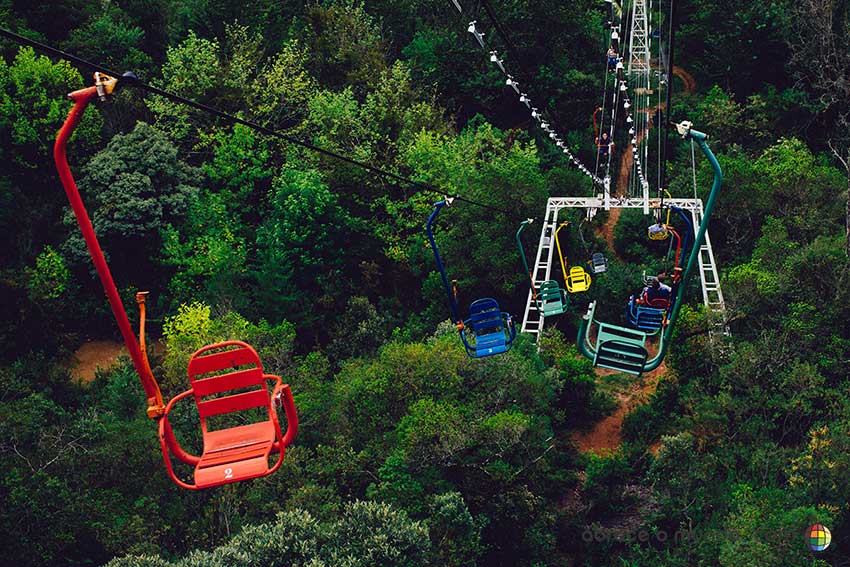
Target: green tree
[
  {"x": 366, "y": 534},
  {"x": 119, "y": 43},
  {"x": 605, "y": 480},
  {"x": 298, "y": 246},
  {"x": 360, "y": 331},
  {"x": 32, "y": 108},
  {"x": 210, "y": 18},
  {"x": 235, "y": 76},
  {"x": 722, "y": 116},
  {"x": 455, "y": 533},
  {"x": 209, "y": 255},
  {"x": 484, "y": 164},
  {"x": 819, "y": 36},
  {"x": 819, "y": 473},
  {"x": 135, "y": 188},
  {"x": 764, "y": 529},
  {"x": 192, "y": 68},
  {"x": 369, "y": 533},
  {"x": 282, "y": 91},
  {"x": 240, "y": 172},
  {"x": 718, "y": 38},
  {"x": 374, "y": 129},
  {"x": 50, "y": 278},
  {"x": 345, "y": 45},
  {"x": 805, "y": 192}
]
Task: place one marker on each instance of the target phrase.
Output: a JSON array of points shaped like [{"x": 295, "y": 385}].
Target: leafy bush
[
  {"x": 367, "y": 534},
  {"x": 194, "y": 326}
]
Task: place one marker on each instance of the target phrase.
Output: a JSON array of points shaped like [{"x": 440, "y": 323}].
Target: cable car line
[{"x": 130, "y": 79}]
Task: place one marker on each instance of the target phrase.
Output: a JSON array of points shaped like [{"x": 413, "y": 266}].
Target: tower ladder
[
  {"x": 532, "y": 320},
  {"x": 712, "y": 295}
]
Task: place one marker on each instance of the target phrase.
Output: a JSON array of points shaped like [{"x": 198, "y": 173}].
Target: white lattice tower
[
  {"x": 639, "y": 72},
  {"x": 639, "y": 42}
]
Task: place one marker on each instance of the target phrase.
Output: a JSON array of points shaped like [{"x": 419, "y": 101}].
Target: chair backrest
[
  {"x": 600, "y": 264},
  {"x": 552, "y": 300},
  {"x": 209, "y": 379},
  {"x": 646, "y": 318},
  {"x": 659, "y": 299},
  {"x": 485, "y": 317},
  {"x": 550, "y": 291},
  {"x": 578, "y": 280},
  {"x": 659, "y": 302}
]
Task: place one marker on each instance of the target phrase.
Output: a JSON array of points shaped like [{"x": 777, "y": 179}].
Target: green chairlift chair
[
  {"x": 622, "y": 349},
  {"x": 551, "y": 299}
]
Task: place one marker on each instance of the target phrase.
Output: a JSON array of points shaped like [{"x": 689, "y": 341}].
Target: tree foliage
[{"x": 410, "y": 452}]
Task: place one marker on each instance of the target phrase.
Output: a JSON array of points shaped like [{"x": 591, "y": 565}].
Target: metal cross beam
[{"x": 606, "y": 202}]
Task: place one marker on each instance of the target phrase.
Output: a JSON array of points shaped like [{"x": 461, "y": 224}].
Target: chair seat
[
  {"x": 246, "y": 469},
  {"x": 489, "y": 340},
  {"x": 494, "y": 342},
  {"x": 554, "y": 308},
  {"x": 491, "y": 347},
  {"x": 240, "y": 437},
  {"x": 620, "y": 349},
  {"x": 647, "y": 319},
  {"x": 657, "y": 302},
  {"x": 238, "y": 453}
]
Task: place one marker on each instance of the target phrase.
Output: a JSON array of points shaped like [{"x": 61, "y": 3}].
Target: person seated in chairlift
[
  {"x": 604, "y": 144},
  {"x": 655, "y": 290},
  {"x": 612, "y": 59},
  {"x": 674, "y": 278},
  {"x": 657, "y": 228}
]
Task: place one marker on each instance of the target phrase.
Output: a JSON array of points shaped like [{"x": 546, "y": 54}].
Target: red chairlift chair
[
  {"x": 226, "y": 378},
  {"x": 241, "y": 452}
]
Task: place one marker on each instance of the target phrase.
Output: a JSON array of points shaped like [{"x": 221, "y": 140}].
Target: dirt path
[
  {"x": 687, "y": 79},
  {"x": 606, "y": 231},
  {"x": 607, "y": 434},
  {"x": 626, "y": 163},
  {"x": 93, "y": 355}
]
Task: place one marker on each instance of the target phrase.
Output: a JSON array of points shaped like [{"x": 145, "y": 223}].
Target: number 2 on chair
[{"x": 228, "y": 473}]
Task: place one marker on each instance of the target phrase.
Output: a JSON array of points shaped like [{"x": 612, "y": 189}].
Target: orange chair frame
[{"x": 237, "y": 453}]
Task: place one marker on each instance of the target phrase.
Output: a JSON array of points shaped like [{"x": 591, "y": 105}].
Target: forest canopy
[{"x": 409, "y": 451}]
